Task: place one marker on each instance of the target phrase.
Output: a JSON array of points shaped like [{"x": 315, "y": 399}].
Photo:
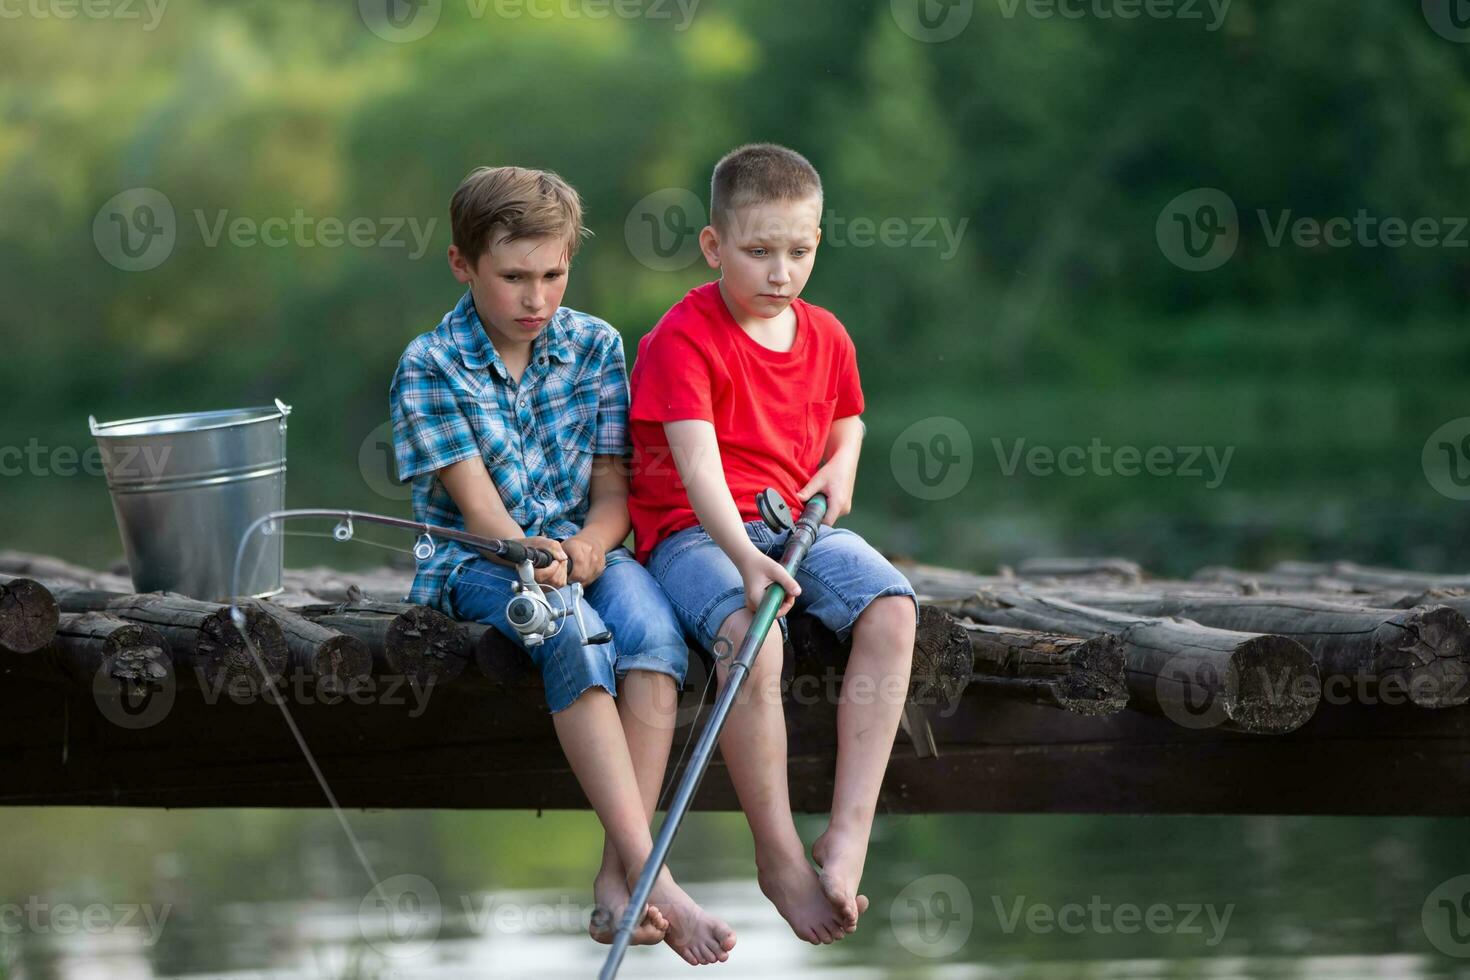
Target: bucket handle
[
  {"x": 283, "y": 408},
  {"x": 92, "y": 423}
]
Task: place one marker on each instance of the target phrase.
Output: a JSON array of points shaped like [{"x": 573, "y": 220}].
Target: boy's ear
[
  {"x": 458, "y": 265},
  {"x": 709, "y": 244}
]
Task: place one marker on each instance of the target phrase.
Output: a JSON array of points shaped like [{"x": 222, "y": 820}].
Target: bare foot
[
  {"x": 693, "y": 933},
  {"x": 841, "y": 857},
  {"x": 792, "y": 886},
  {"x": 610, "y": 894}
]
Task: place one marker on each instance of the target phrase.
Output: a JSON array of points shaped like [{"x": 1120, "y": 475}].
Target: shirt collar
[{"x": 478, "y": 353}]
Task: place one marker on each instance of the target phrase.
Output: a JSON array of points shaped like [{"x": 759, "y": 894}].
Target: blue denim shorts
[
  {"x": 839, "y": 577},
  {"x": 624, "y": 599}
]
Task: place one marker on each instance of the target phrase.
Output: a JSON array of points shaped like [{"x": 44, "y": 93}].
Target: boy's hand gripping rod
[
  {"x": 803, "y": 533},
  {"x": 529, "y": 611}
]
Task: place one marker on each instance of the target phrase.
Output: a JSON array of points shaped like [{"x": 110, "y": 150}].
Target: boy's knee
[{"x": 896, "y": 612}]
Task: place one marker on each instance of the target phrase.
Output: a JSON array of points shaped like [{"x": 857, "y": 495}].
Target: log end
[
  {"x": 28, "y": 615},
  {"x": 1425, "y": 653},
  {"x": 224, "y": 656},
  {"x": 343, "y": 659},
  {"x": 943, "y": 662},
  {"x": 1273, "y": 686},
  {"x": 426, "y": 646},
  {"x": 1097, "y": 685}
]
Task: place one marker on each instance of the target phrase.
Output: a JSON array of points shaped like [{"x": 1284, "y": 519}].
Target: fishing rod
[
  {"x": 777, "y": 515},
  {"x": 529, "y": 610}
]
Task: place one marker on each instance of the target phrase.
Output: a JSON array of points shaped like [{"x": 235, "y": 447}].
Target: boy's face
[
  {"x": 517, "y": 285},
  {"x": 765, "y": 257}
]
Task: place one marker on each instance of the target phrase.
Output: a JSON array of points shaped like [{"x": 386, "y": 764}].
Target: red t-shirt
[{"x": 772, "y": 411}]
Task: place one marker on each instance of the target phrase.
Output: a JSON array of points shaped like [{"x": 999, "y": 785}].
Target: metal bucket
[{"x": 186, "y": 487}]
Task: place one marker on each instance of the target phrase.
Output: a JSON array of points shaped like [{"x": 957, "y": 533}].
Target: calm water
[{"x": 141, "y": 894}]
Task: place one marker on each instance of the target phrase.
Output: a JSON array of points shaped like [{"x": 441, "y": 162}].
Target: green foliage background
[{"x": 1058, "y": 320}]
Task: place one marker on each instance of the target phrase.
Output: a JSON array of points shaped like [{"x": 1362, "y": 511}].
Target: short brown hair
[
  {"x": 756, "y": 173},
  {"x": 527, "y": 203}
]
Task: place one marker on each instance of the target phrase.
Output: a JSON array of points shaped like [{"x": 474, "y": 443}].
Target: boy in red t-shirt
[{"x": 743, "y": 386}]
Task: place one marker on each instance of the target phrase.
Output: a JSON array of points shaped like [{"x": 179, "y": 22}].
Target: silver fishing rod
[
  {"x": 777, "y": 515},
  {"x": 530, "y": 610}
]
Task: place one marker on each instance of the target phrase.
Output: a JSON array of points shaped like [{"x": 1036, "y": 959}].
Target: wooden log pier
[{"x": 1073, "y": 685}]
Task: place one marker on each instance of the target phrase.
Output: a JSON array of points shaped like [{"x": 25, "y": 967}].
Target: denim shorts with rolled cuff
[
  {"x": 623, "y": 599},
  {"x": 841, "y": 575}
]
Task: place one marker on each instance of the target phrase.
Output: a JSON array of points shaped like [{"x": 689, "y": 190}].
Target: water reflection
[{"x": 279, "y": 894}]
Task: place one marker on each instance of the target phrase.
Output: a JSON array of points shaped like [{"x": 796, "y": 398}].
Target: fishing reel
[{"x": 532, "y": 614}]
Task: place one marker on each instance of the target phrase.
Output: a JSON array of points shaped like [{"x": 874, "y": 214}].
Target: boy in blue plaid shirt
[{"x": 511, "y": 419}]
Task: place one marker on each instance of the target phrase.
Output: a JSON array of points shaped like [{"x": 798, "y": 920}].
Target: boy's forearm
[
  {"x": 697, "y": 455},
  {"x": 845, "y": 439},
  {"x": 607, "y": 522},
  {"x": 470, "y": 487},
  {"x": 718, "y": 513}
]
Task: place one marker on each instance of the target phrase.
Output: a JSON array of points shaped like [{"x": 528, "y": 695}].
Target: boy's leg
[
  {"x": 709, "y": 598},
  {"x": 651, "y": 663},
  {"x": 579, "y": 685},
  {"x": 854, "y": 591},
  {"x": 753, "y": 745}
]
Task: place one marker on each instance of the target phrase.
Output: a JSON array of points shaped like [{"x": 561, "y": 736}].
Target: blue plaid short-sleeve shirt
[{"x": 452, "y": 399}]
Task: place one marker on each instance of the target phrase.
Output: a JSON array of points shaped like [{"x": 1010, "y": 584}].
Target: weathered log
[
  {"x": 499, "y": 659},
  {"x": 1195, "y": 675},
  {"x": 1253, "y": 582},
  {"x": 934, "y": 582},
  {"x": 413, "y": 642},
  {"x": 1368, "y": 578},
  {"x": 1122, "y": 569},
  {"x": 87, "y": 644},
  {"x": 44, "y": 568},
  {"x": 332, "y": 585},
  {"x": 28, "y": 615},
  {"x": 1085, "y": 676},
  {"x": 206, "y": 647},
  {"x": 1422, "y": 653},
  {"x": 319, "y": 651},
  {"x": 940, "y": 669}
]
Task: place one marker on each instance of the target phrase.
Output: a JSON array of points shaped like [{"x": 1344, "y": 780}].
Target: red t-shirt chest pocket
[{"x": 818, "y": 426}]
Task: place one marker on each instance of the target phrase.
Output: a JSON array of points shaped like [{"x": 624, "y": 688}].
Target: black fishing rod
[{"x": 777, "y": 515}]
